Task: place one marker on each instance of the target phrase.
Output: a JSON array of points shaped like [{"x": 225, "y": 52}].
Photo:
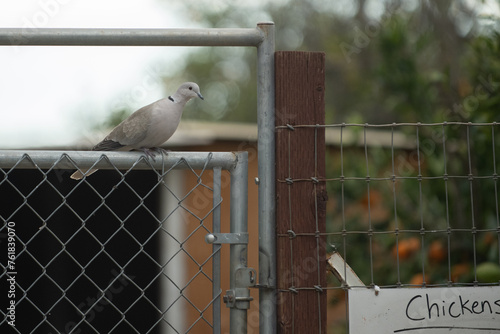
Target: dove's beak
[{"x": 200, "y": 96}]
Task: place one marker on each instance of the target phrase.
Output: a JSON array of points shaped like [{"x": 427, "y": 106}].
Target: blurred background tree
[{"x": 387, "y": 61}]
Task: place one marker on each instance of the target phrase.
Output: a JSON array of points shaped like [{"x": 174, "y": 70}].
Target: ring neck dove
[{"x": 148, "y": 127}]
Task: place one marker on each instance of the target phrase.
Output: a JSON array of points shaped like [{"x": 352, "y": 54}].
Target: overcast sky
[{"x": 50, "y": 95}]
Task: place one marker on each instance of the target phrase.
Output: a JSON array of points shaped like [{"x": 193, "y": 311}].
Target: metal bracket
[
  {"x": 244, "y": 277},
  {"x": 239, "y": 297},
  {"x": 227, "y": 238}
]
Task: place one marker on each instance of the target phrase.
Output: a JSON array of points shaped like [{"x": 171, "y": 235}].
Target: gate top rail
[
  {"x": 21, "y": 159},
  {"x": 132, "y": 37}
]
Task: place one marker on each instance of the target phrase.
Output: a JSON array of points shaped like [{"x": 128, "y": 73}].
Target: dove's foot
[
  {"x": 161, "y": 150},
  {"x": 151, "y": 152}
]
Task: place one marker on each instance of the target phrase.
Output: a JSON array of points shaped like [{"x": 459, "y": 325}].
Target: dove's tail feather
[{"x": 78, "y": 175}]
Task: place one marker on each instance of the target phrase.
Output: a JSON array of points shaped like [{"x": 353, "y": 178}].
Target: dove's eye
[{"x": 190, "y": 88}]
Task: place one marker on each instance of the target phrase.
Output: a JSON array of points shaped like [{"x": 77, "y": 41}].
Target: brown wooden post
[{"x": 300, "y": 192}]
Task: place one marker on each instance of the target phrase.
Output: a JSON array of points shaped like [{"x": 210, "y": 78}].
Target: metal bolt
[
  {"x": 257, "y": 181},
  {"x": 210, "y": 238}
]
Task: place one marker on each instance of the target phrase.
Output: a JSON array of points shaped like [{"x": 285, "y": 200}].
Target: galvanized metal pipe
[
  {"x": 267, "y": 198},
  {"x": 216, "y": 249},
  {"x": 130, "y": 37},
  {"x": 112, "y": 160},
  {"x": 238, "y": 224}
]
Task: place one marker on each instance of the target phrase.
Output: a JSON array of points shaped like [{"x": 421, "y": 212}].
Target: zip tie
[
  {"x": 289, "y": 180},
  {"x": 318, "y": 288}
]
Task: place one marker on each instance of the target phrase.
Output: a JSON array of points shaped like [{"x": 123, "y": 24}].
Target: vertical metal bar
[
  {"x": 495, "y": 180},
  {"x": 216, "y": 265},
  {"x": 395, "y": 195},
  {"x": 421, "y": 206},
  {"x": 267, "y": 206},
  {"x": 471, "y": 190},
  {"x": 238, "y": 224},
  {"x": 370, "y": 226},
  {"x": 447, "y": 203},
  {"x": 344, "y": 230}
]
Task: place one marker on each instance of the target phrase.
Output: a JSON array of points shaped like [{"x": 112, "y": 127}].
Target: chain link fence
[{"x": 122, "y": 251}]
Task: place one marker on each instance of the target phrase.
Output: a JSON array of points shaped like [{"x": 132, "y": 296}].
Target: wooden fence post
[{"x": 300, "y": 192}]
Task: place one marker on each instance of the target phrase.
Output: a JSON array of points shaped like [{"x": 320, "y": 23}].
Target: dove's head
[{"x": 189, "y": 90}]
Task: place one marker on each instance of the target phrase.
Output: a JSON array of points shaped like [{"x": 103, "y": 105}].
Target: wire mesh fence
[
  {"x": 122, "y": 251},
  {"x": 435, "y": 202},
  {"x": 417, "y": 211},
  {"x": 410, "y": 205}
]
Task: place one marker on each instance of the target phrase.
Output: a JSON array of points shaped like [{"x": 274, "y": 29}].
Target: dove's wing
[{"x": 129, "y": 132}]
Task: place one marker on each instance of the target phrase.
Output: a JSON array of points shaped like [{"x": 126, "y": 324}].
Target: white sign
[{"x": 467, "y": 310}]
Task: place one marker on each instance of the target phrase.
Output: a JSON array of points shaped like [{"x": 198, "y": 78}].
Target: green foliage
[
  {"x": 436, "y": 202},
  {"x": 406, "y": 82},
  {"x": 483, "y": 98}
]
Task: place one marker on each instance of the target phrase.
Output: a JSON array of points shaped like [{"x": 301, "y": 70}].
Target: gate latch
[
  {"x": 227, "y": 238},
  {"x": 239, "y": 297}
]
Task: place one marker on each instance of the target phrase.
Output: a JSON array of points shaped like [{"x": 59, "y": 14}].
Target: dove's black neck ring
[{"x": 171, "y": 98}]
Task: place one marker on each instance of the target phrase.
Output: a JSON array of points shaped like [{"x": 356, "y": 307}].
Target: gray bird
[{"x": 148, "y": 127}]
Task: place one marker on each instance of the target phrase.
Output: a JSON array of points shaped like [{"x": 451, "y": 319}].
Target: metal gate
[
  {"x": 106, "y": 254},
  {"x": 262, "y": 38}
]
